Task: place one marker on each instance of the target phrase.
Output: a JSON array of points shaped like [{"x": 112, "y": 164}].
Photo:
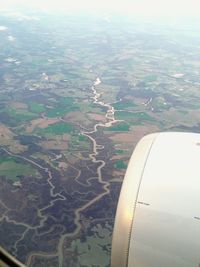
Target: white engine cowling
[{"x": 158, "y": 216}]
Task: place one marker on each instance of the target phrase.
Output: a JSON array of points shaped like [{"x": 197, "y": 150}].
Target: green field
[
  {"x": 79, "y": 141},
  {"x": 133, "y": 118},
  {"x": 120, "y": 164},
  {"x": 56, "y": 129},
  {"x": 69, "y": 101},
  {"x": 65, "y": 105},
  {"x": 82, "y": 138},
  {"x": 124, "y": 105},
  {"x": 119, "y": 127},
  {"x": 120, "y": 151},
  {"x": 90, "y": 108},
  {"x": 143, "y": 116},
  {"x": 36, "y": 107},
  {"x": 60, "y": 111},
  {"x": 21, "y": 115},
  {"x": 10, "y": 168},
  {"x": 123, "y": 115}
]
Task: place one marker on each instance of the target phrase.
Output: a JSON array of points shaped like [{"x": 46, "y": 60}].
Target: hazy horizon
[{"x": 148, "y": 9}]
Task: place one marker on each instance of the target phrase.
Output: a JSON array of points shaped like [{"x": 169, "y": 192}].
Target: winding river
[
  {"x": 110, "y": 120},
  {"x": 110, "y": 117}
]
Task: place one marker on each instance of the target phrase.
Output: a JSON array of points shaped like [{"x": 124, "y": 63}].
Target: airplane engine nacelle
[{"x": 158, "y": 216}]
